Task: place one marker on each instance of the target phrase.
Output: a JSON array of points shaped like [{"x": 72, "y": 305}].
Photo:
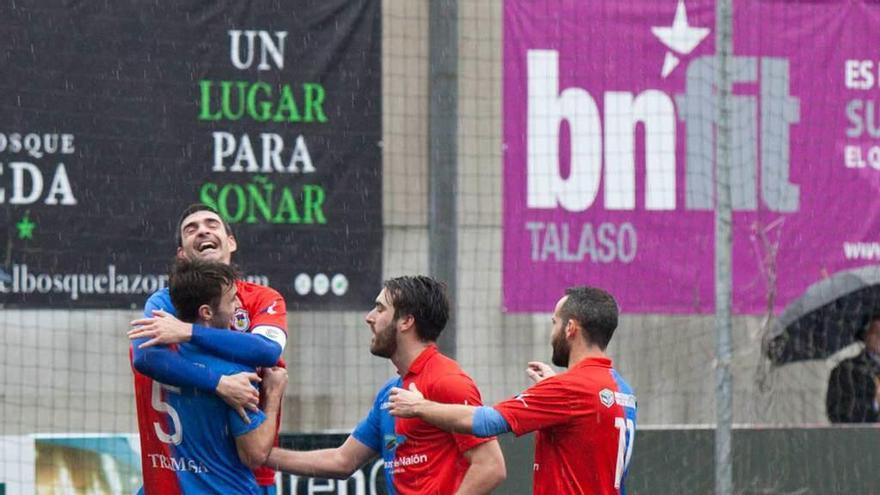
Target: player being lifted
[{"x": 256, "y": 339}]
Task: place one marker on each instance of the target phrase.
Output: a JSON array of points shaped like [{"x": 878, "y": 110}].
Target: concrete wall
[{"x": 67, "y": 371}]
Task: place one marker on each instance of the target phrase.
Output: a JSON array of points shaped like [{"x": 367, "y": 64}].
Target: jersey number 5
[
  {"x": 627, "y": 431},
  {"x": 164, "y": 407}
]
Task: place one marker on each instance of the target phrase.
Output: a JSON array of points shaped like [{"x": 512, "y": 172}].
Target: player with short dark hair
[
  {"x": 595, "y": 310},
  {"x": 424, "y": 299},
  {"x": 585, "y": 417},
  {"x": 196, "y": 443},
  {"x": 195, "y": 208},
  {"x": 408, "y": 316},
  {"x": 194, "y": 284},
  {"x": 256, "y": 337}
]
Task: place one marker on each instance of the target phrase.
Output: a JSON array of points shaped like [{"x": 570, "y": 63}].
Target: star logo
[
  {"x": 25, "y": 228},
  {"x": 680, "y": 37}
]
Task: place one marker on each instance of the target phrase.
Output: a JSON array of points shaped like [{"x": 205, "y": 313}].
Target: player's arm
[
  {"x": 168, "y": 367},
  {"x": 486, "y": 471},
  {"x": 479, "y": 421},
  {"x": 165, "y": 365},
  {"x": 258, "y": 349},
  {"x": 338, "y": 463},
  {"x": 546, "y": 403},
  {"x": 254, "y": 446},
  {"x": 362, "y": 445},
  {"x": 454, "y": 418}
]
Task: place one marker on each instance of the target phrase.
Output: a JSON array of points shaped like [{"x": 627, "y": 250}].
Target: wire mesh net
[{"x": 586, "y": 146}]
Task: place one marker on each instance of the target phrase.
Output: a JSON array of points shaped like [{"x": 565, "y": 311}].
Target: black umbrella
[{"x": 827, "y": 318}]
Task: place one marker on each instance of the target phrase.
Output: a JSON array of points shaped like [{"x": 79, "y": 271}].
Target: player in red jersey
[
  {"x": 408, "y": 316},
  {"x": 584, "y": 418},
  {"x": 257, "y": 337}
]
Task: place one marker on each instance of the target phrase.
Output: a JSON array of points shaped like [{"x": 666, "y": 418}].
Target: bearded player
[{"x": 585, "y": 417}]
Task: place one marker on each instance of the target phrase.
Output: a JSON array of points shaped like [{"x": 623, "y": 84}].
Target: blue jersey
[
  {"x": 161, "y": 299},
  {"x": 376, "y": 431},
  {"x": 188, "y": 435}
]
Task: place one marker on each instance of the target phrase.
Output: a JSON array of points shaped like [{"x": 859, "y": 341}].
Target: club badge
[{"x": 240, "y": 320}]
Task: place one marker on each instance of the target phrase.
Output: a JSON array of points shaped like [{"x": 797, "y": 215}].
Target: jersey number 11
[{"x": 627, "y": 431}]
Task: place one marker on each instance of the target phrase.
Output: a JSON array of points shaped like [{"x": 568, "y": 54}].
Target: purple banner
[{"x": 609, "y": 170}]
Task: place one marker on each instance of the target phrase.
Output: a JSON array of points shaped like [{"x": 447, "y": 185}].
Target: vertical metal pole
[
  {"x": 723, "y": 278},
  {"x": 443, "y": 149}
]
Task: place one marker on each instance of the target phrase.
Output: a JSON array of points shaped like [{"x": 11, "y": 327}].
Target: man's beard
[
  {"x": 561, "y": 350},
  {"x": 385, "y": 341},
  {"x": 220, "y": 321}
]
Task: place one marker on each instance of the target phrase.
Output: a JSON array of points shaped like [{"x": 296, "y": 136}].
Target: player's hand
[
  {"x": 404, "y": 403},
  {"x": 538, "y": 371},
  {"x": 274, "y": 380},
  {"x": 161, "y": 329},
  {"x": 237, "y": 391}
]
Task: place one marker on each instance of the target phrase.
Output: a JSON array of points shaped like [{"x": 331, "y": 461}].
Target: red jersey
[
  {"x": 585, "y": 422},
  {"x": 262, "y": 311},
  {"x": 429, "y": 460}
]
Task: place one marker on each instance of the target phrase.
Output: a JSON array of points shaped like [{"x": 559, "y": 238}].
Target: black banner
[{"x": 117, "y": 115}]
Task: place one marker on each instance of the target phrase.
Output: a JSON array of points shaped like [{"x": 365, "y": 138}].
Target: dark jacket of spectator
[{"x": 852, "y": 390}]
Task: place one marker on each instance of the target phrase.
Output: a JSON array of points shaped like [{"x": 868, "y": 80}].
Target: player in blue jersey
[
  {"x": 193, "y": 441},
  {"x": 256, "y": 338}
]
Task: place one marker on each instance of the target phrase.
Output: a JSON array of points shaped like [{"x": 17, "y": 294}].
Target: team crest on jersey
[
  {"x": 241, "y": 321},
  {"x": 607, "y": 397},
  {"x": 394, "y": 441}
]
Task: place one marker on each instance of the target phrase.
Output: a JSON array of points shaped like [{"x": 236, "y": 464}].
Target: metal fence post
[{"x": 443, "y": 150}]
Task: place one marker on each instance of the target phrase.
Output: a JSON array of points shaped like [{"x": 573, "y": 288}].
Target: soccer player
[
  {"x": 196, "y": 443},
  {"x": 409, "y": 314},
  {"x": 585, "y": 417},
  {"x": 257, "y": 336}
]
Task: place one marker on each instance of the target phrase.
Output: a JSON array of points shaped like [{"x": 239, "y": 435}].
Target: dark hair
[
  {"x": 193, "y": 283},
  {"x": 594, "y": 309},
  {"x": 422, "y": 297},
  {"x": 193, "y": 208}
]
